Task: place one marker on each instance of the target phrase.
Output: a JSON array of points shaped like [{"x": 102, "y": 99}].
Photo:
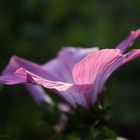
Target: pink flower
[{"x": 77, "y": 75}]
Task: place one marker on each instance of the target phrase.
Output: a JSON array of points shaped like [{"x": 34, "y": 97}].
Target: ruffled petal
[
  {"x": 30, "y": 77},
  {"x": 128, "y": 41},
  {"x": 23, "y": 76},
  {"x": 87, "y": 70},
  {"x": 75, "y": 95}
]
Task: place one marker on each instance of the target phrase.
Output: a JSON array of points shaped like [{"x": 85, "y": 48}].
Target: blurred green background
[{"x": 38, "y": 29}]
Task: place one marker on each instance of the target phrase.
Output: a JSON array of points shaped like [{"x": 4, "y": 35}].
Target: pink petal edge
[{"x": 128, "y": 41}]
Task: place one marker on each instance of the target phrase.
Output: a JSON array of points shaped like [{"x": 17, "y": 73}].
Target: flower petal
[
  {"x": 61, "y": 67},
  {"x": 131, "y": 55},
  {"x": 9, "y": 77},
  {"x": 23, "y": 76},
  {"x": 128, "y": 41},
  {"x": 75, "y": 95},
  {"x": 87, "y": 70}
]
